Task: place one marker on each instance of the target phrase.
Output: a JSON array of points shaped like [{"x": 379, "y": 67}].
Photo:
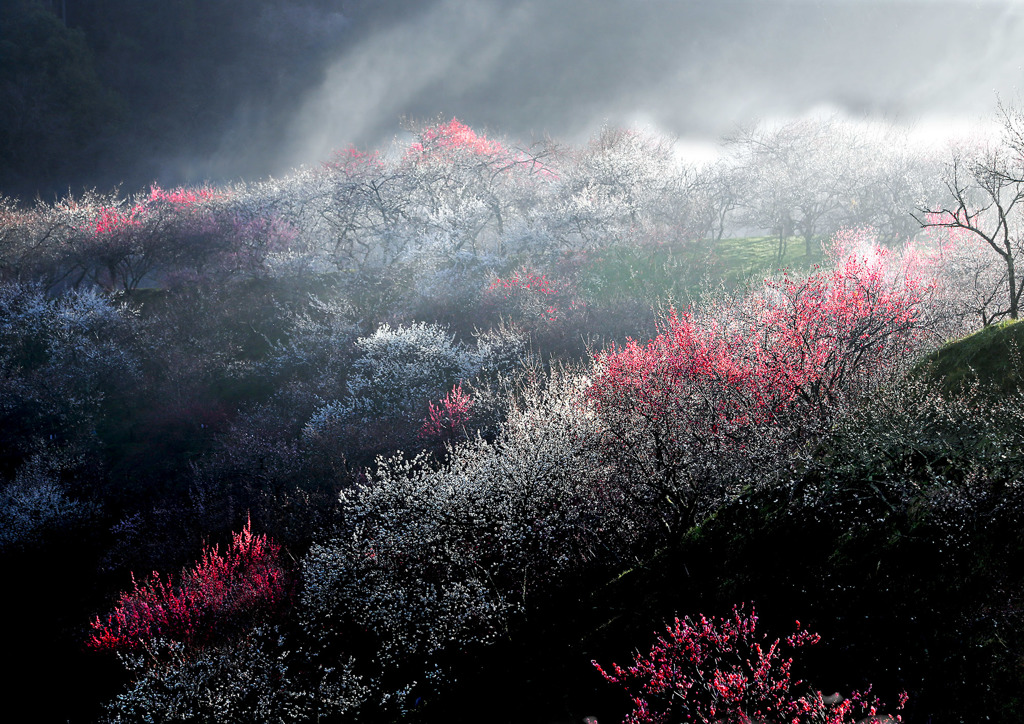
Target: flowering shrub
[
  {"x": 502, "y": 349},
  {"x": 62, "y": 360},
  {"x": 319, "y": 347},
  {"x": 396, "y": 373},
  {"x": 258, "y": 678},
  {"x": 449, "y": 416},
  {"x": 400, "y": 368},
  {"x": 708, "y": 670},
  {"x": 35, "y": 503},
  {"x": 221, "y": 593},
  {"x": 710, "y": 390},
  {"x": 181, "y": 197},
  {"x": 549, "y": 310},
  {"x": 434, "y": 560},
  {"x": 529, "y": 291}
]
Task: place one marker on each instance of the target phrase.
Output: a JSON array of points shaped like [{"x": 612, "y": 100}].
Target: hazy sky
[{"x": 695, "y": 69}]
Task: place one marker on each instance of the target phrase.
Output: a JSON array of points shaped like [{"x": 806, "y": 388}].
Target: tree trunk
[{"x": 1011, "y": 279}]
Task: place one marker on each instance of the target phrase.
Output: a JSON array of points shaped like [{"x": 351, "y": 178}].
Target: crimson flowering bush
[
  {"x": 444, "y": 140},
  {"x": 721, "y": 670},
  {"x": 222, "y": 592},
  {"x": 181, "y": 197},
  {"x": 449, "y": 416},
  {"x": 758, "y": 376},
  {"x": 528, "y": 293},
  {"x": 113, "y": 220},
  {"x": 834, "y": 332},
  {"x": 543, "y": 307}
]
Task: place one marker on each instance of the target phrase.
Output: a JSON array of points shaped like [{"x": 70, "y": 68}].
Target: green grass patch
[
  {"x": 737, "y": 260},
  {"x": 649, "y": 273},
  {"x": 678, "y": 274},
  {"x": 991, "y": 357}
]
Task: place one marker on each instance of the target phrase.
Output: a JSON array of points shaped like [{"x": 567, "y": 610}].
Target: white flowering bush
[
  {"x": 435, "y": 560},
  {"x": 257, "y": 679},
  {"x": 398, "y": 369},
  {"x": 34, "y": 503},
  {"x": 503, "y": 349},
  {"x": 61, "y": 359},
  {"x": 396, "y": 373},
  {"x": 319, "y": 348}
]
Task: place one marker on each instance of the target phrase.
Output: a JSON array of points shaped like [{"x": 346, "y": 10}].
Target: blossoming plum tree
[
  {"x": 438, "y": 559},
  {"x": 709, "y": 389},
  {"x": 468, "y": 187},
  {"x": 720, "y": 670},
  {"x": 622, "y": 182},
  {"x": 224, "y": 593}
]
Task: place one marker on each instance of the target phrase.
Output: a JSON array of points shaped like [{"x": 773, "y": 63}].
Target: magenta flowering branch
[
  {"x": 222, "y": 591},
  {"x": 449, "y": 416},
  {"x": 722, "y": 671}
]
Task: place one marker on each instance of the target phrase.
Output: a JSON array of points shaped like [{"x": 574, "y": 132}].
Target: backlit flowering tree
[
  {"x": 204, "y": 648},
  {"x": 622, "y": 182},
  {"x": 449, "y": 417},
  {"x": 721, "y": 670},
  {"x": 712, "y": 389},
  {"x": 222, "y": 594},
  {"x": 469, "y": 187},
  {"x": 970, "y": 281},
  {"x": 364, "y": 203}
]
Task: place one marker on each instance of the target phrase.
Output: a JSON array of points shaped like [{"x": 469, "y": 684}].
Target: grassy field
[{"x": 665, "y": 274}]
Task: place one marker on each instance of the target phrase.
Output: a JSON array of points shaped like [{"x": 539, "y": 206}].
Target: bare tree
[
  {"x": 985, "y": 200},
  {"x": 717, "y": 193},
  {"x": 799, "y": 176}
]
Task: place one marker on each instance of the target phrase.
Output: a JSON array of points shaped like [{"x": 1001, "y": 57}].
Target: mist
[
  {"x": 107, "y": 94},
  {"x": 694, "y": 70}
]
